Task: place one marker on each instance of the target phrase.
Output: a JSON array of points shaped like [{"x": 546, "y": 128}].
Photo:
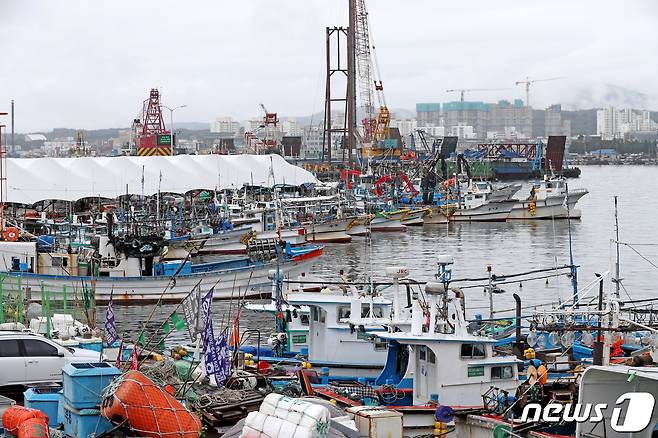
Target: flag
[
  {"x": 118, "y": 363},
  {"x": 142, "y": 341},
  {"x": 134, "y": 362},
  {"x": 222, "y": 360},
  {"x": 167, "y": 327},
  {"x": 208, "y": 337},
  {"x": 191, "y": 308},
  {"x": 179, "y": 324},
  {"x": 110, "y": 323},
  {"x": 216, "y": 357}
]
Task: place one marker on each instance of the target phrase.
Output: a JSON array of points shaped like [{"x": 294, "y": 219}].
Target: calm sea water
[{"x": 509, "y": 247}]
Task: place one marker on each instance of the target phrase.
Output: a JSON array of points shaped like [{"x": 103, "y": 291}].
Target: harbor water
[{"x": 509, "y": 247}]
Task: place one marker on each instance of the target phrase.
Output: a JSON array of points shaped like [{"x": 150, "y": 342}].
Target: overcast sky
[{"x": 90, "y": 64}]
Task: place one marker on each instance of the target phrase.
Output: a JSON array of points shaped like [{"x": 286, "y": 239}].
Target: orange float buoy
[
  {"x": 148, "y": 409},
  {"x": 33, "y": 428},
  {"x": 11, "y": 234},
  {"x": 15, "y": 415}
]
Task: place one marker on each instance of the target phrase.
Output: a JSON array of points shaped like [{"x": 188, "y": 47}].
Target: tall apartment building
[
  {"x": 510, "y": 117},
  {"x": 553, "y": 122},
  {"x": 225, "y": 125},
  {"x": 475, "y": 114},
  {"x": 614, "y": 123},
  {"x": 428, "y": 114}
]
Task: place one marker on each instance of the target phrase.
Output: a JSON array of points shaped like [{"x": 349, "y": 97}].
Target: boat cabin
[
  {"x": 341, "y": 326},
  {"x": 447, "y": 361}
]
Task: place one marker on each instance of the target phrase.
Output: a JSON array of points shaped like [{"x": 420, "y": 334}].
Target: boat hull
[
  {"x": 329, "y": 232},
  {"x": 550, "y": 208},
  {"x": 241, "y": 281},
  {"x": 414, "y": 218},
  {"x": 491, "y": 212},
  {"x": 389, "y": 222}
]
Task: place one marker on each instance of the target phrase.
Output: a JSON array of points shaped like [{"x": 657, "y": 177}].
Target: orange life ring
[{"x": 11, "y": 234}]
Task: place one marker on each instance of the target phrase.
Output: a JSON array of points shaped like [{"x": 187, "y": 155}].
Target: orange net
[{"x": 147, "y": 408}]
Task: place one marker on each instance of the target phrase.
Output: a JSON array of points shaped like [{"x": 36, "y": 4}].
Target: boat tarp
[{"x": 30, "y": 180}]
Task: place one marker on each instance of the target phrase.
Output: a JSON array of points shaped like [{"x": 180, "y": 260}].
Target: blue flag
[
  {"x": 216, "y": 353},
  {"x": 110, "y": 323}
]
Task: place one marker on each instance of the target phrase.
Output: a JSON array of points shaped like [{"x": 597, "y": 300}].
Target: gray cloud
[{"x": 89, "y": 64}]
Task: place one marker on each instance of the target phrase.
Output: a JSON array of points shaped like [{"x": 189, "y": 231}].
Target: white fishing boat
[
  {"x": 438, "y": 214},
  {"x": 476, "y": 205},
  {"x": 338, "y": 340},
  {"x": 385, "y": 221},
  {"x": 133, "y": 279},
  {"x": 360, "y": 226},
  {"x": 332, "y": 231},
  {"x": 548, "y": 199},
  {"x": 415, "y": 217}
]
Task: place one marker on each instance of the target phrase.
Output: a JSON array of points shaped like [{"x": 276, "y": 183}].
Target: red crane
[
  {"x": 152, "y": 136},
  {"x": 390, "y": 177}
]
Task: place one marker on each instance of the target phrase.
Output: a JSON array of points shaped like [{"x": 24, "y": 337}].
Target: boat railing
[{"x": 577, "y": 191}]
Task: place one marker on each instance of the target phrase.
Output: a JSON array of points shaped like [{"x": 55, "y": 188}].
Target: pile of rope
[{"x": 221, "y": 396}]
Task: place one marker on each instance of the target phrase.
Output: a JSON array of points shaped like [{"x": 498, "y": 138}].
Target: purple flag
[
  {"x": 110, "y": 323},
  {"x": 216, "y": 353},
  {"x": 206, "y": 304},
  {"x": 223, "y": 360}
]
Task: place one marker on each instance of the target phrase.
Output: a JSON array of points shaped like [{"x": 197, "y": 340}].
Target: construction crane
[
  {"x": 463, "y": 91},
  {"x": 529, "y": 81},
  {"x": 376, "y": 128}
]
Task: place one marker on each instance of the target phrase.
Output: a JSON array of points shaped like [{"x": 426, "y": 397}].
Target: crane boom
[
  {"x": 529, "y": 81},
  {"x": 462, "y": 91}
]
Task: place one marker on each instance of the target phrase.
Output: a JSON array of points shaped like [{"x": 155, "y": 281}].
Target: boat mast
[
  {"x": 574, "y": 270},
  {"x": 617, "y": 279}
]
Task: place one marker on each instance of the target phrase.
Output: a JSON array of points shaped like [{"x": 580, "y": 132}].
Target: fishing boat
[
  {"x": 438, "y": 214},
  {"x": 338, "y": 339},
  {"x": 133, "y": 272},
  {"x": 415, "y": 217},
  {"x": 389, "y": 221},
  {"x": 360, "y": 225},
  {"x": 476, "y": 205},
  {"x": 549, "y": 199},
  {"x": 330, "y": 231}
]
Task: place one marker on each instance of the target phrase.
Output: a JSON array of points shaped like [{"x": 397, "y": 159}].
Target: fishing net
[{"x": 147, "y": 409}]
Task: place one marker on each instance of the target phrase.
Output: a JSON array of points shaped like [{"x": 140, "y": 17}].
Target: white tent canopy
[{"x": 34, "y": 179}]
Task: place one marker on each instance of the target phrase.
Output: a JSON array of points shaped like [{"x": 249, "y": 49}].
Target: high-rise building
[
  {"x": 506, "y": 117},
  {"x": 428, "y": 114},
  {"x": 225, "y": 125},
  {"x": 553, "y": 123},
  {"x": 614, "y": 123},
  {"x": 406, "y": 127}
]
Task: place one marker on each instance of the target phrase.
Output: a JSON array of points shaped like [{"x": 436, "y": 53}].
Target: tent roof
[{"x": 34, "y": 179}]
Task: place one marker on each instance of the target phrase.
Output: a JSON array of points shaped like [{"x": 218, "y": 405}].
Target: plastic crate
[
  {"x": 5, "y": 403},
  {"x": 84, "y": 422},
  {"x": 46, "y": 400},
  {"x": 94, "y": 344},
  {"x": 85, "y": 382}
]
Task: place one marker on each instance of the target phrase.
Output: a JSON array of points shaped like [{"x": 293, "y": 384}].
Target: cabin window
[
  {"x": 471, "y": 351},
  {"x": 298, "y": 339},
  {"x": 422, "y": 353},
  {"x": 431, "y": 357},
  {"x": 57, "y": 262},
  {"x": 304, "y": 319},
  {"x": 377, "y": 311},
  {"x": 323, "y": 316},
  {"x": 65, "y": 261},
  {"x": 502, "y": 372},
  {"x": 314, "y": 311},
  {"x": 344, "y": 312},
  {"x": 479, "y": 196}
]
